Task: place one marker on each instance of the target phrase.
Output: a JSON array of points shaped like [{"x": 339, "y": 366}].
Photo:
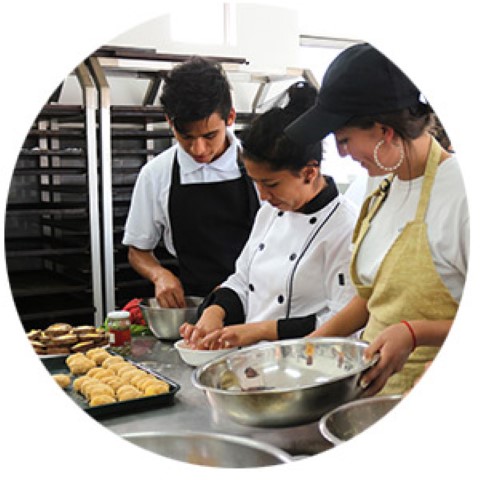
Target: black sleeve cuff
[
  {"x": 229, "y": 301},
  {"x": 296, "y": 327}
]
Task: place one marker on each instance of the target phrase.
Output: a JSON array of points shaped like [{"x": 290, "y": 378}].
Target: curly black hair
[{"x": 194, "y": 90}]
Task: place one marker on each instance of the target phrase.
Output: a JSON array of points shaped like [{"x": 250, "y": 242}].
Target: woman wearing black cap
[
  {"x": 292, "y": 274},
  {"x": 411, "y": 241}
]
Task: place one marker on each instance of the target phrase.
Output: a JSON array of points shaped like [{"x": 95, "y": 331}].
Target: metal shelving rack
[
  {"x": 81, "y": 162},
  {"x": 52, "y": 216}
]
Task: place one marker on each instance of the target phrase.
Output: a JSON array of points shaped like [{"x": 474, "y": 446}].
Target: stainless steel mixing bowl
[
  {"x": 347, "y": 421},
  {"x": 165, "y": 322},
  {"x": 212, "y": 449},
  {"x": 284, "y": 383}
]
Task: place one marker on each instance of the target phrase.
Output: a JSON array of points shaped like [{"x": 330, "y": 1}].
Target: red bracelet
[{"x": 412, "y": 333}]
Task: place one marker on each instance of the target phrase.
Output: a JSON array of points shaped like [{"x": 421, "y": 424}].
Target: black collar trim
[{"x": 325, "y": 196}]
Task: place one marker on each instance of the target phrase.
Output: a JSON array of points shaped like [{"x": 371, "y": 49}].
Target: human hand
[
  {"x": 169, "y": 290},
  {"x": 241, "y": 335},
  {"x": 394, "y": 345},
  {"x": 210, "y": 321}
]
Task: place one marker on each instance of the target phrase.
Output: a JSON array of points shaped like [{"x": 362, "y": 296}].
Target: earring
[{"x": 380, "y": 165}]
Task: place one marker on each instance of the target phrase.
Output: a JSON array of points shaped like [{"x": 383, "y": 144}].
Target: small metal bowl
[
  {"x": 284, "y": 383},
  {"x": 165, "y": 322},
  {"x": 210, "y": 449},
  {"x": 347, "y": 421}
]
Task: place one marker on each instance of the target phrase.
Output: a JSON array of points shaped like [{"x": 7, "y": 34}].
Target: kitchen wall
[{"x": 267, "y": 36}]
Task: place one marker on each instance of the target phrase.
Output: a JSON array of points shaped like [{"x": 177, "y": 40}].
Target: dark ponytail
[{"x": 265, "y": 142}]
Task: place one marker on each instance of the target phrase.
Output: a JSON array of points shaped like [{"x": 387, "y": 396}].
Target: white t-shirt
[
  {"x": 287, "y": 269},
  {"x": 447, "y": 219},
  {"x": 148, "y": 219}
]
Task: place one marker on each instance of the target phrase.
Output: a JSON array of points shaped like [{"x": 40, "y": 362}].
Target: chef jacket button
[
  {"x": 251, "y": 287},
  {"x": 280, "y": 299},
  {"x": 313, "y": 220},
  {"x": 261, "y": 246},
  {"x": 293, "y": 256},
  {"x": 280, "y": 214}
]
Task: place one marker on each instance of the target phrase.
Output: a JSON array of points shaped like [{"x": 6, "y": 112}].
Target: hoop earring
[{"x": 380, "y": 165}]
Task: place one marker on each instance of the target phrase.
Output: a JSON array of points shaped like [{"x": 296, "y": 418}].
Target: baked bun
[
  {"x": 82, "y": 346},
  {"x": 57, "y": 350},
  {"x": 62, "y": 380},
  {"x": 34, "y": 334},
  {"x": 58, "y": 329},
  {"x": 102, "y": 399},
  {"x": 68, "y": 339},
  {"x": 83, "y": 329},
  {"x": 39, "y": 347}
]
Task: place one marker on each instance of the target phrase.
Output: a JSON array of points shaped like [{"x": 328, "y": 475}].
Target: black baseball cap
[{"x": 360, "y": 81}]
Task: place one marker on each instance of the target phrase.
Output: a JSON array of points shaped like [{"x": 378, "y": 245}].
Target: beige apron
[{"x": 407, "y": 285}]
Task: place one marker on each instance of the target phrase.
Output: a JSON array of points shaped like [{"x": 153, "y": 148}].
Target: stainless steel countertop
[{"x": 192, "y": 412}]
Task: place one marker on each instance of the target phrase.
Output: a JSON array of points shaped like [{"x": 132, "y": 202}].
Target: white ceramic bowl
[{"x": 199, "y": 357}]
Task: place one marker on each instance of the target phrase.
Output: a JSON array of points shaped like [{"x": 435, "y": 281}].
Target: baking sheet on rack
[{"x": 57, "y": 365}]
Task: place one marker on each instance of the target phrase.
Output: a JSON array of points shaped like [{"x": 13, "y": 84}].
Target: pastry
[
  {"x": 79, "y": 366},
  {"x": 62, "y": 380},
  {"x": 114, "y": 382},
  {"x": 58, "y": 329},
  {"x": 82, "y": 346},
  {"x": 156, "y": 388},
  {"x": 99, "y": 389},
  {"x": 53, "y": 350},
  {"x": 83, "y": 329},
  {"x": 100, "y": 357},
  {"x": 112, "y": 360},
  {"x": 73, "y": 357},
  {"x": 78, "y": 382},
  {"x": 39, "y": 347},
  {"x": 128, "y": 392},
  {"x": 34, "y": 334},
  {"x": 101, "y": 400}
]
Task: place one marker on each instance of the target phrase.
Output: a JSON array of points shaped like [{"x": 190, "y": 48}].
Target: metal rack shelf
[
  {"x": 72, "y": 185},
  {"x": 52, "y": 216}
]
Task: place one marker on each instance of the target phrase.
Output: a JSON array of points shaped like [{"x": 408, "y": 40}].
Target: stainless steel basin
[
  {"x": 211, "y": 449},
  {"x": 165, "y": 322},
  {"x": 285, "y": 383},
  {"x": 352, "y": 418}
]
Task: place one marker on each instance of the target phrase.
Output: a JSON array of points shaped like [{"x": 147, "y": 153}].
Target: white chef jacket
[
  {"x": 148, "y": 219},
  {"x": 296, "y": 264}
]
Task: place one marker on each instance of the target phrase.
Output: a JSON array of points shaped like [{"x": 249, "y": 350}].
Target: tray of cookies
[
  {"x": 63, "y": 339},
  {"x": 104, "y": 384}
]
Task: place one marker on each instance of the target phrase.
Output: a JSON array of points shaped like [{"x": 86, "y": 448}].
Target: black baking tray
[{"x": 57, "y": 365}]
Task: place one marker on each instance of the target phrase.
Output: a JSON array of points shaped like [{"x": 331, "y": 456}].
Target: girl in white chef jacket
[{"x": 292, "y": 274}]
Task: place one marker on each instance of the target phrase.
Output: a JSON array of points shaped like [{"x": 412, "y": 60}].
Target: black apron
[{"x": 210, "y": 223}]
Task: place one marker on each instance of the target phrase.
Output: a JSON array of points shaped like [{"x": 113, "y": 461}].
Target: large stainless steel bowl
[
  {"x": 347, "y": 421},
  {"x": 212, "y": 449},
  {"x": 165, "y": 322},
  {"x": 284, "y": 383}
]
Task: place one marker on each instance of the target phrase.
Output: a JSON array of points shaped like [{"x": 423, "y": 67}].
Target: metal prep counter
[{"x": 192, "y": 412}]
